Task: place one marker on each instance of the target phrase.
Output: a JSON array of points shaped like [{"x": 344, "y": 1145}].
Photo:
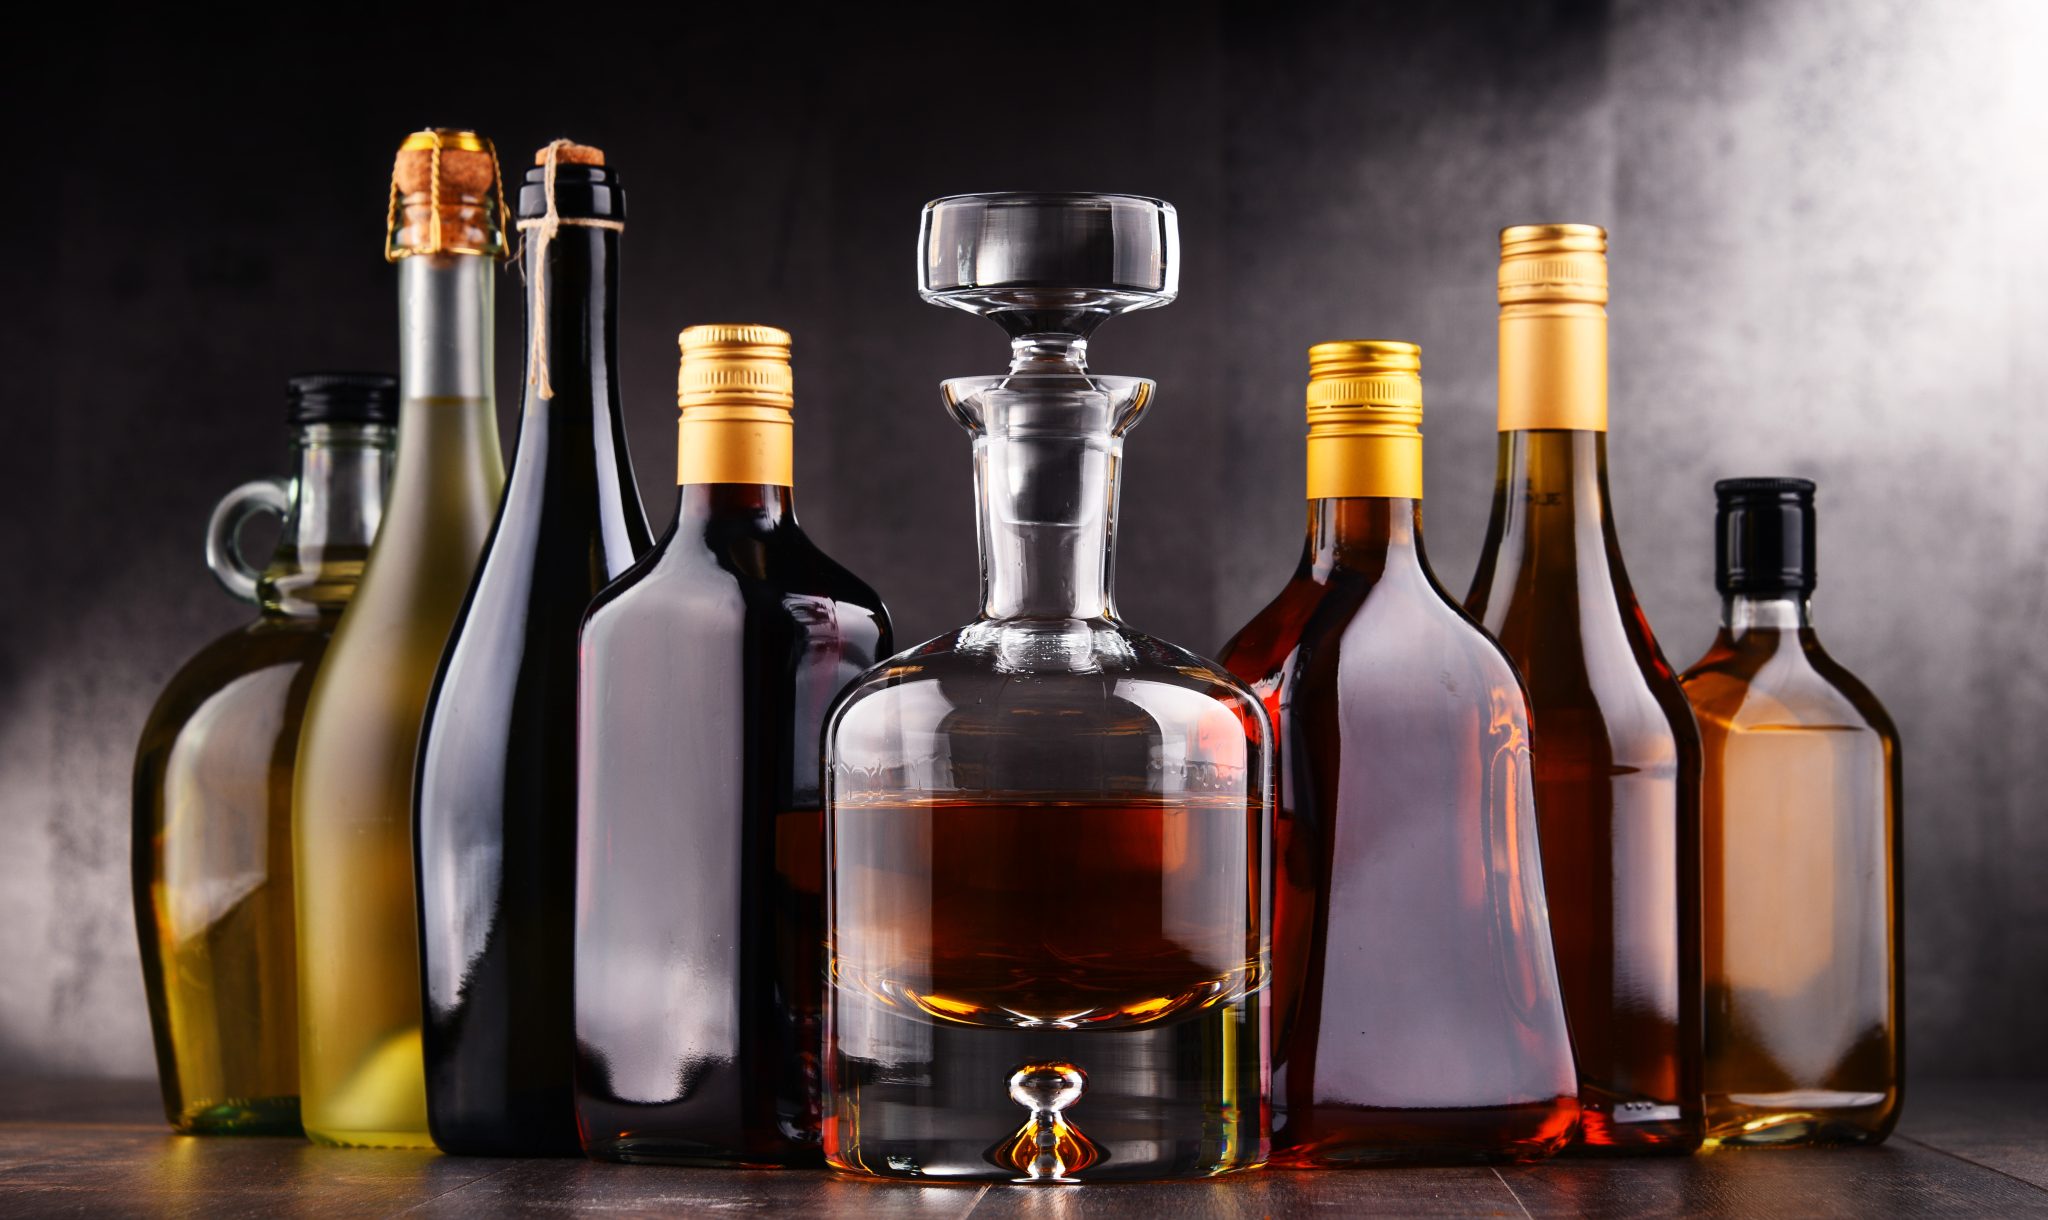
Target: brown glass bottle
[
  {"x": 1418, "y": 1016},
  {"x": 213, "y": 775},
  {"x": 1803, "y": 918},
  {"x": 1615, "y": 749},
  {"x": 707, "y": 672}
]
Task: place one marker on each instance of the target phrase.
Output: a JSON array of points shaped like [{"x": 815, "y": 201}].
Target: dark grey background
[{"x": 1828, "y": 260}]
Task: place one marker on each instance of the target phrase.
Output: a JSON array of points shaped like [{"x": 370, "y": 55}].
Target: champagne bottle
[
  {"x": 708, "y": 671},
  {"x": 1417, "y": 1011},
  {"x": 1803, "y": 928},
  {"x": 496, "y": 795},
  {"x": 1615, "y": 750},
  {"x": 361, "y": 1077},
  {"x": 213, "y": 776}
]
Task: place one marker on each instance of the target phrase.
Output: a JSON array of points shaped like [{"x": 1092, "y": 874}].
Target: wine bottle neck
[
  {"x": 338, "y": 478},
  {"x": 1367, "y": 534},
  {"x": 447, "y": 423},
  {"x": 756, "y": 507},
  {"x": 572, "y": 307},
  {"x": 1552, "y": 492},
  {"x": 1047, "y": 514},
  {"x": 1743, "y": 614}
]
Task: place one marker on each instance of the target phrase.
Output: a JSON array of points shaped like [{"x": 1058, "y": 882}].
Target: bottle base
[
  {"x": 1799, "y": 1118},
  {"x": 256, "y": 1116},
  {"x": 372, "y": 1139},
  {"x": 1359, "y": 1137},
  {"x": 1634, "y": 1128},
  {"x": 915, "y": 1099}
]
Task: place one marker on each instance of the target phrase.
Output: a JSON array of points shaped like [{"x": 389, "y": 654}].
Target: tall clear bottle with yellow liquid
[{"x": 361, "y": 1079}]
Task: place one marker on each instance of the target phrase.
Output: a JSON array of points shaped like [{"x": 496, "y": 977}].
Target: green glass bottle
[
  {"x": 362, "y": 1079},
  {"x": 213, "y": 775}
]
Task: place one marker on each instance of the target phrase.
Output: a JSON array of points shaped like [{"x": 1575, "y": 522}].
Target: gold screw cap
[
  {"x": 1379, "y": 375},
  {"x": 1553, "y": 262},
  {"x": 742, "y": 365}
]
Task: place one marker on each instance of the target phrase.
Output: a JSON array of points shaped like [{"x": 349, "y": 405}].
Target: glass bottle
[
  {"x": 1803, "y": 927},
  {"x": 1615, "y": 751},
  {"x": 1047, "y": 831},
  {"x": 213, "y": 775},
  {"x": 360, "y": 1073},
  {"x": 1416, "y": 1006},
  {"x": 708, "y": 671},
  {"x": 495, "y": 798}
]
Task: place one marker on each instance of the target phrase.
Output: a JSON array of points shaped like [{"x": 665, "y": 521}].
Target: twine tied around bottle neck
[{"x": 545, "y": 227}]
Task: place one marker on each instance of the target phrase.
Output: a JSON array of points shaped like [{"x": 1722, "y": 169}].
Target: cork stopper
[
  {"x": 567, "y": 153},
  {"x": 445, "y": 196}
]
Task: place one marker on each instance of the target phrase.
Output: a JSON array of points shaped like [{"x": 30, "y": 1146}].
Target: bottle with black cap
[
  {"x": 1800, "y": 821},
  {"x": 213, "y": 776}
]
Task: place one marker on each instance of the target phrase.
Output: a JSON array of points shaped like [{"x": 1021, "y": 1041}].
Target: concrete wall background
[{"x": 1828, "y": 260}]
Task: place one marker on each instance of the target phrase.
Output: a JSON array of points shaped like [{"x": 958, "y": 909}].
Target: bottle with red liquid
[{"x": 1416, "y": 1008}]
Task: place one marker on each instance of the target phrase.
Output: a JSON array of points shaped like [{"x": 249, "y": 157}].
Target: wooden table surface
[{"x": 100, "y": 1148}]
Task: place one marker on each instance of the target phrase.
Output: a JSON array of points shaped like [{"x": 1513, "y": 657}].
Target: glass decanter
[{"x": 1047, "y": 832}]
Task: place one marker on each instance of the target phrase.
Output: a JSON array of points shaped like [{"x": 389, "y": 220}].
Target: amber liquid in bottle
[
  {"x": 1615, "y": 750},
  {"x": 708, "y": 671},
  {"x": 1418, "y": 1015},
  {"x": 1803, "y": 920},
  {"x": 213, "y": 787},
  {"x": 1125, "y": 932},
  {"x": 360, "y": 1066}
]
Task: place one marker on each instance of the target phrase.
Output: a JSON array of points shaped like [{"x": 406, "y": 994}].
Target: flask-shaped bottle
[
  {"x": 496, "y": 793},
  {"x": 1047, "y": 831},
  {"x": 213, "y": 775},
  {"x": 1800, "y": 812},
  {"x": 1615, "y": 752},
  {"x": 360, "y": 1073},
  {"x": 707, "y": 674},
  {"x": 1416, "y": 1006}
]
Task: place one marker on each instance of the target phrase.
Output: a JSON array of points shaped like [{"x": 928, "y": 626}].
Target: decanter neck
[
  {"x": 1047, "y": 515},
  {"x": 1048, "y": 443}
]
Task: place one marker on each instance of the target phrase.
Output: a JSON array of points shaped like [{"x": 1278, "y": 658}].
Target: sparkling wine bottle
[
  {"x": 361, "y": 1076},
  {"x": 496, "y": 793}
]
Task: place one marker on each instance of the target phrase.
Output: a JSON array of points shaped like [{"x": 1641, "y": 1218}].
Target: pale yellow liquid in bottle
[{"x": 362, "y": 1082}]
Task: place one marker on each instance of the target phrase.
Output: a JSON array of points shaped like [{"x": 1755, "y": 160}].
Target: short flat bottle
[
  {"x": 362, "y": 1078},
  {"x": 707, "y": 672},
  {"x": 1615, "y": 751},
  {"x": 1803, "y": 916},
  {"x": 495, "y": 798},
  {"x": 1417, "y": 1012},
  {"x": 1047, "y": 831},
  {"x": 213, "y": 774}
]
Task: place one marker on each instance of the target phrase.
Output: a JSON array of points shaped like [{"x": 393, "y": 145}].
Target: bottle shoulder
[
  {"x": 1783, "y": 681},
  {"x": 1070, "y": 667},
  {"x": 246, "y": 672},
  {"x": 779, "y": 572}
]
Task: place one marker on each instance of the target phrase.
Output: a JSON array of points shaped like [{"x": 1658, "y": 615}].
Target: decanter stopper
[{"x": 1048, "y": 266}]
